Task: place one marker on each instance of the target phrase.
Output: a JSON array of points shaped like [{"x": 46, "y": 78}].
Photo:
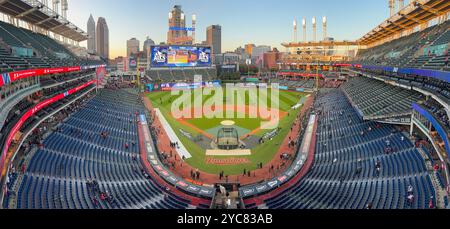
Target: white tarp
[{"x": 182, "y": 151}]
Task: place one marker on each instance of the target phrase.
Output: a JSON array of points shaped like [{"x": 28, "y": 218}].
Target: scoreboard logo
[
  {"x": 159, "y": 57},
  {"x": 203, "y": 57}
]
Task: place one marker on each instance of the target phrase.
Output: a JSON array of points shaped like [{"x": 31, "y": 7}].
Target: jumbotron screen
[{"x": 180, "y": 56}]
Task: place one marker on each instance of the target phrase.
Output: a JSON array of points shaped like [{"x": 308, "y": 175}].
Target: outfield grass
[{"x": 264, "y": 153}]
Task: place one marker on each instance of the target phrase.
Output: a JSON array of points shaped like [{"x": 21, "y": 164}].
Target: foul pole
[{"x": 138, "y": 73}]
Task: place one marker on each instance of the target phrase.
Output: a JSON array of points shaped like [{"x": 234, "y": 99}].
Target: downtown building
[
  {"x": 178, "y": 34},
  {"x": 133, "y": 47},
  {"x": 91, "y": 43},
  {"x": 102, "y": 36},
  {"x": 148, "y": 43},
  {"x": 214, "y": 38}
]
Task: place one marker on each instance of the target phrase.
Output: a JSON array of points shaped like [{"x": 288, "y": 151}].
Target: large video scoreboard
[{"x": 180, "y": 56}]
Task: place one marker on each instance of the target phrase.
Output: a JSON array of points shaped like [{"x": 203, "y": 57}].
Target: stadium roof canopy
[
  {"x": 36, "y": 13},
  {"x": 414, "y": 14}
]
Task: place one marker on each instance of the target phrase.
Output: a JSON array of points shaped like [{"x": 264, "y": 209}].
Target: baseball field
[{"x": 196, "y": 132}]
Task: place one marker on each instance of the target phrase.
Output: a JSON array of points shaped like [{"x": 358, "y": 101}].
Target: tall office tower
[
  {"x": 177, "y": 23},
  {"x": 147, "y": 44},
  {"x": 132, "y": 46},
  {"x": 214, "y": 38},
  {"x": 102, "y": 38},
  {"x": 91, "y": 35}
]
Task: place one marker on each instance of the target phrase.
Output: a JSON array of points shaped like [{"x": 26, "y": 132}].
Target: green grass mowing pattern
[
  {"x": 206, "y": 123},
  {"x": 263, "y": 153}
]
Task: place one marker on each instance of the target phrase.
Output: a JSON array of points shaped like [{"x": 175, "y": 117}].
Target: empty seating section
[
  {"x": 8, "y": 104},
  {"x": 10, "y": 63},
  {"x": 376, "y": 98},
  {"x": 46, "y": 52},
  {"x": 344, "y": 172},
  {"x": 58, "y": 173},
  {"x": 298, "y": 83},
  {"x": 411, "y": 51},
  {"x": 438, "y": 112}
]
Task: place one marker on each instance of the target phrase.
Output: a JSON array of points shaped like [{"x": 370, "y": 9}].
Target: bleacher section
[
  {"x": 375, "y": 98},
  {"x": 41, "y": 51},
  {"x": 303, "y": 83},
  {"x": 60, "y": 174},
  {"x": 427, "y": 49},
  {"x": 344, "y": 174},
  {"x": 437, "y": 87}
]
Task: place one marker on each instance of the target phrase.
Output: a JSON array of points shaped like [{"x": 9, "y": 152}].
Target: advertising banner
[
  {"x": 187, "y": 86},
  {"x": 132, "y": 63},
  {"x": 7, "y": 78},
  {"x": 150, "y": 87}
]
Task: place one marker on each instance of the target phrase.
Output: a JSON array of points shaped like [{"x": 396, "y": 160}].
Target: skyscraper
[
  {"x": 91, "y": 35},
  {"x": 147, "y": 44},
  {"x": 102, "y": 38},
  {"x": 214, "y": 38},
  {"x": 132, "y": 46},
  {"x": 177, "y": 23}
]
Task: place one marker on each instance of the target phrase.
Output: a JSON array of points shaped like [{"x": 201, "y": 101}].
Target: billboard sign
[
  {"x": 180, "y": 56},
  {"x": 133, "y": 63}
]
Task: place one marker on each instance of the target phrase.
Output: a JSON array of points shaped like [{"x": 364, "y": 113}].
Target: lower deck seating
[
  {"x": 344, "y": 172},
  {"x": 60, "y": 174}
]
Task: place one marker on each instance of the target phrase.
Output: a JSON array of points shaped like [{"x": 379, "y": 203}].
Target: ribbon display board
[{"x": 9, "y": 77}]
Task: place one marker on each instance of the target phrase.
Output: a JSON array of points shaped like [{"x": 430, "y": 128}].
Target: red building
[{"x": 272, "y": 58}]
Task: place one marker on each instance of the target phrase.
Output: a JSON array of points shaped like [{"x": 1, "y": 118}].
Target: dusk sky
[{"x": 262, "y": 22}]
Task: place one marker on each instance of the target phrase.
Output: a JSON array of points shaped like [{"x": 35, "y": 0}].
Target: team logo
[
  {"x": 6, "y": 78},
  {"x": 159, "y": 57},
  {"x": 203, "y": 57}
]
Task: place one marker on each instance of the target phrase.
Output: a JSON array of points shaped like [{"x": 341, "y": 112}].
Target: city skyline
[{"x": 245, "y": 22}]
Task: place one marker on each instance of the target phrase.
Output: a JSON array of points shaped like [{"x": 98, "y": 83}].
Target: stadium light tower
[
  {"x": 324, "y": 28},
  {"x": 194, "y": 22},
  {"x": 304, "y": 29},
  {"x": 56, "y": 6},
  {"x": 314, "y": 29},
  {"x": 295, "y": 30},
  {"x": 401, "y": 4},
  {"x": 56, "y": 9},
  {"x": 391, "y": 7},
  {"x": 64, "y": 8}
]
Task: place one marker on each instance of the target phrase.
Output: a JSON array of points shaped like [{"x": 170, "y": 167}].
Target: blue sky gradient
[{"x": 263, "y": 22}]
